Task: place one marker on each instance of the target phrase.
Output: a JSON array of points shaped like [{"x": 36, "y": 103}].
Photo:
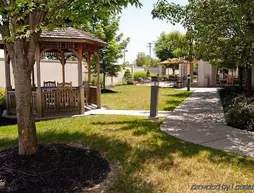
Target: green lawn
[
  {"x": 144, "y": 159},
  {"x": 138, "y": 98}
]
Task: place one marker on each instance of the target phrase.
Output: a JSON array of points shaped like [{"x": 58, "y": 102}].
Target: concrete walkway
[
  {"x": 142, "y": 113},
  {"x": 200, "y": 119}
]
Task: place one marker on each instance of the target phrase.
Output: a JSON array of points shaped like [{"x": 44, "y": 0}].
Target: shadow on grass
[
  {"x": 170, "y": 145},
  {"x": 180, "y": 95},
  {"x": 171, "y": 105},
  {"x": 6, "y": 122},
  {"x": 130, "y": 156},
  {"x": 107, "y": 91}
]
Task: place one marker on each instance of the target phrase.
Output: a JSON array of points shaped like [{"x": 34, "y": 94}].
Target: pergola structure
[
  {"x": 185, "y": 67},
  {"x": 62, "y": 98}
]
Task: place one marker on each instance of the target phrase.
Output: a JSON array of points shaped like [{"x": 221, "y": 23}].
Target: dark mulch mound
[{"x": 54, "y": 168}]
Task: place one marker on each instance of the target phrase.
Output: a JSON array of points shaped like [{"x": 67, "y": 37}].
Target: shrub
[
  {"x": 228, "y": 94},
  {"x": 2, "y": 101},
  {"x": 239, "y": 109},
  {"x": 138, "y": 75},
  {"x": 94, "y": 79},
  {"x": 148, "y": 73},
  {"x": 127, "y": 77},
  {"x": 241, "y": 116}
]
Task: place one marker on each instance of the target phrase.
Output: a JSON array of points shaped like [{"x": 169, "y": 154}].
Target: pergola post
[
  {"x": 80, "y": 79},
  {"x": 98, "y": 91},
  {"x": 38, "y": 90}
]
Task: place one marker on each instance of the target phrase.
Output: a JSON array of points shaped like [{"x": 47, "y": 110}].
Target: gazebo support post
[
  {"x": 7, "y": 77},
  {"x": 63, "y": 61},
  {"x": 80, "y": 80},
  {"x": 33, "y": 81},
  {"x": 98, "y": 91},
  {"x": 38, "y": 90},
  {"x": 89, "y": 77}
]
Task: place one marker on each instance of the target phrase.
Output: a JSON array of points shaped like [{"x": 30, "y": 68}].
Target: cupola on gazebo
[{"x": 53, "y": 98}]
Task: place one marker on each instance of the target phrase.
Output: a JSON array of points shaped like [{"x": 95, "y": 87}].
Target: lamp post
[
  {"x": 154, "y": 97},
  {"x": 188, "y": 82}
]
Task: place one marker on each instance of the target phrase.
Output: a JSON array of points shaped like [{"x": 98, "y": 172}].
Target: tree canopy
[
  {"x": 107, "y": 30},
  {"x": 21, "y": 24},
  {"x": 222, "y": 30},
  {"x": 172, "y": 45},
  {"x": 145, "y": 60}
]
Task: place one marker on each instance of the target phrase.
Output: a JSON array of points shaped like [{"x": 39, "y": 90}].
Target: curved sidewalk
[{"x": 200, "y": 119}]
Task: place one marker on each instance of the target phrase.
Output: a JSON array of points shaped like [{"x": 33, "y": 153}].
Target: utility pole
[
  {"x": 124, "y": 55},
  {"x": 150, "y": 49}
]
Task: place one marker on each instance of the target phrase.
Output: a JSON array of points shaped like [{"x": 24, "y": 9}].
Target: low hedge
[
  {"x": 138, "y": 75},
  {"x": 239, "y": 109}
]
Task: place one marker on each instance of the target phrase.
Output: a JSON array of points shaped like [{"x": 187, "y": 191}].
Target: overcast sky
[{"x": 142, "y": 29}]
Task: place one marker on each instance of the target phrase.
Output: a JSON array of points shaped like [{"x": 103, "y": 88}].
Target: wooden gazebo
[{"x": 61, "y": 98}]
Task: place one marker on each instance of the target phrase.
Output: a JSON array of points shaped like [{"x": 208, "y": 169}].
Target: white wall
[
  {"x": 50, "y": 70},
  {"x": 183, "y": 70},
  {"x": 2, "y": 74},
  {"x": 206, "y": 74},
  {"x": 116, "y": 80}
]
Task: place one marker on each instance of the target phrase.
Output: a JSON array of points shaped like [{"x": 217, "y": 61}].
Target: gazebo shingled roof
[{"x": 69, "y": 34}]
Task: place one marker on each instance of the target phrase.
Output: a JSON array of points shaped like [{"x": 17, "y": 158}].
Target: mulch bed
[{"x": 54, "y": 168}]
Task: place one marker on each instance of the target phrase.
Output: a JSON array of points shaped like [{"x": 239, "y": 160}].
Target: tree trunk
[
  {"x": 241, "y": 77},
  {"x": 104, "y": 80},
  {"x": 248, "y": 85},
  {"x": 22, "y": 69}
]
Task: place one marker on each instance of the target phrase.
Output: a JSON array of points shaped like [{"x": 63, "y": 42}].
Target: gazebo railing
[
  {"x": 11, "y": 107},
  {"x": 93, "y": 95},
  {"x": 56, "y": 100},
  {"x": 60, "y": 101}
]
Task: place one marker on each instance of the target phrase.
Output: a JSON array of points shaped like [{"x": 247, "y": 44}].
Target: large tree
[
  {"x": 223, "y": 31},
  {"x": 21, "y": 24},
  {"x": 171, "y": 45},
  {"x": 107, "y": 30},
  {"x": 145, "y": 60}
]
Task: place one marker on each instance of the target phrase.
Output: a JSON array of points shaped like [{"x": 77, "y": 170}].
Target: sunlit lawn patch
[
  {"x": 138, "y": 98},
  {"x": 144, "y": 159}
]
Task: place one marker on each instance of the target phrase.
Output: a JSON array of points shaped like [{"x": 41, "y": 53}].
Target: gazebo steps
[{"x": 90, "y": 107}]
